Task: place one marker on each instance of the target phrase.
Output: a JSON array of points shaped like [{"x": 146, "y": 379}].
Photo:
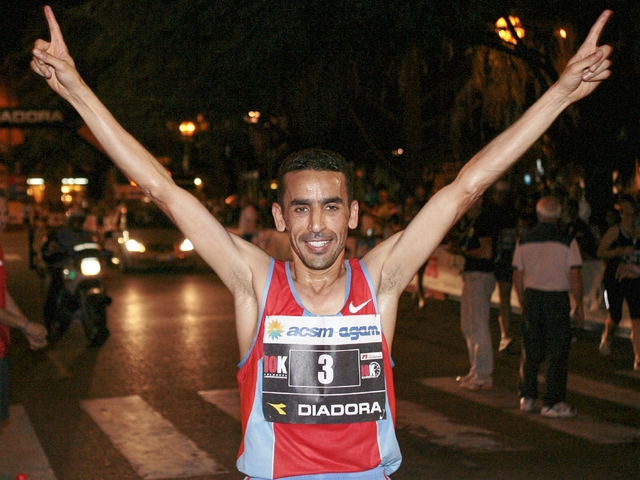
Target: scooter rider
[{"x": 55, "y": 252}]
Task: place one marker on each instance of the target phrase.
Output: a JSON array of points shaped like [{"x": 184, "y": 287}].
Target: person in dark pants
[
  {"x": 478, "y": 283},
  {"x": 547, "y": 265},
  {"x": 620, "y": 249}
]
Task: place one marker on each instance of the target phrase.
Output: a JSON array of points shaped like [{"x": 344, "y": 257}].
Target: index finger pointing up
[
  {"x": 54, "y": 28},
  {"x": 598, "y": 28}
]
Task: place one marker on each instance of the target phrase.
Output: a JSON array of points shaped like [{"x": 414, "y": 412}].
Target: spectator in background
[
  {"x": 367, "y": 233},
  {"x": 264, "y": 213},
  {"x": 547, "y": 266},
  {"x": 504, "y": 215},
  {"x": 620, "y": 249},
  {"x": 475, "y": 303},
  {"x": 581, "y": 231},
  {"x": 249, "y": 222},
  {"x": 11, "y": 317},
  {"x": 383, "y": 211},
  {"x": 231, "y": 211}
]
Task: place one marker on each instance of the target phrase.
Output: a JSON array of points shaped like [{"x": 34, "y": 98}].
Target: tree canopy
[{"x": 364, "y": 77}]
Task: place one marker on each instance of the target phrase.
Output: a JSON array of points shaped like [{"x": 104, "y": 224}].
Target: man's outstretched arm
[
  {"x": 241, "y": 265},
  {"x": 394, "y": 264},
  {"x": 225, "y": 253}
]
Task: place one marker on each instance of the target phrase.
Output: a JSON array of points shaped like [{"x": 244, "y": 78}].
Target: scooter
[{"x": 84, "y": 298}]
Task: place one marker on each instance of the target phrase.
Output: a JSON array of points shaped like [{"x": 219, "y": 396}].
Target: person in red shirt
[{"x": 11, "y": 317}]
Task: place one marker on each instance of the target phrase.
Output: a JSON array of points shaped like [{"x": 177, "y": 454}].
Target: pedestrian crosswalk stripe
[
  {"x": 21, "y": 451},
  {"x": 151, "y": 444},
  {"x": 582, "y": 426},
  {"x": 629, "y": 373},
  {"x": 602, "y": 391},
  {"x": 438, "y": 429},
  {"x": 410, "y": 416}
]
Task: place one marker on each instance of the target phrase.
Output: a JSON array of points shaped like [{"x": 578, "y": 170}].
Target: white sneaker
[
  {"x": 464, "y": 378},
  {"x": 475, "y": 384},
  {"x": 527, "y": 404},
  {"x": 605, "y": 346},
  {"x": 559, "y": 410},
  {"x": 504, "y": 343}
]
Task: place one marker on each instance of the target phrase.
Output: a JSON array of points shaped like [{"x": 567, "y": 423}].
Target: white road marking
[
  {"x": 629, "y": 373},
  {"x": 438, "y": 429},
  {"x": 153, "y": 446},
  {"x": 601, "y": 390},
  {"x": 21, "y": 451},
  {"x": 583, "y": 426}
]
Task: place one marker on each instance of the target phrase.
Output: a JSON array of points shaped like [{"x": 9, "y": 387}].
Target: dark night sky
[{"x": 16, "y": 15}]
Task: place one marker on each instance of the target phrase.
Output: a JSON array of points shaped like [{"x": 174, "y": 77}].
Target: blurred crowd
[{"x": 383, "y": 212}]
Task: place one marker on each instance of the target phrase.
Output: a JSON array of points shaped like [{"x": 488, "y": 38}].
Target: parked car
[{"x": 143, "y": 236}]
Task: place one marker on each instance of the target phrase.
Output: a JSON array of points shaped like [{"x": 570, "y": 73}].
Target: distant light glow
[
  {"x": 252, "y": 117},
  {"x": 502, "y": 29},
  {"x": 75, "y": 181},
  {"x": 187, "y": 129}
]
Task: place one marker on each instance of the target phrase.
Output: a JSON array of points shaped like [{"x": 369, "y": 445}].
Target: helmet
[{"x": 76, "y": 215}]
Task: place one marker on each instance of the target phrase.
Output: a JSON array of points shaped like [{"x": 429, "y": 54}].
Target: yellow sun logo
[{"x": 274, "y": 329}]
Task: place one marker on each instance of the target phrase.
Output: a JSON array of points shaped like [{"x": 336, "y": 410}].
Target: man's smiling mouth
[{"x": 318, "y": 243}]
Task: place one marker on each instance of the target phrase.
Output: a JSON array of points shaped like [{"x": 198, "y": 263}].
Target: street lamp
[
  {"x": 187, "y": 130},
  {"x": 505, "y": 33}
]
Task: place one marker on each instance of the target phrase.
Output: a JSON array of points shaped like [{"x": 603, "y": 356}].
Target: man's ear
[
  {"x": 354, "y": 211},
  {"x": 278, "y": 217}
]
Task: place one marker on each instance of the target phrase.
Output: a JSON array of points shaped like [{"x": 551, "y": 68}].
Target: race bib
[{"x": 323, "y": 370}]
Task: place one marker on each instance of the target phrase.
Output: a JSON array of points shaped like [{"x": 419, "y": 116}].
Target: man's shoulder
[{"x": 547, "y": 233}]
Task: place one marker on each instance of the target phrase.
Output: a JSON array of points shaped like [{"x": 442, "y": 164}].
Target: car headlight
[
  {"x": 134, "y": 246},
  {"x": 90, "y": 266},
  {"x": 186, "y": 245}
]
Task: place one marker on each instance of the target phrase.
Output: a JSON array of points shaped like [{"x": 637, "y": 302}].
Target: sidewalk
[{"x": 21, "y": 452}]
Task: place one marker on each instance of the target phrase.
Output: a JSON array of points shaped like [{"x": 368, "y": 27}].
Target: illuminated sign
[{"x": 17, "y": 117}]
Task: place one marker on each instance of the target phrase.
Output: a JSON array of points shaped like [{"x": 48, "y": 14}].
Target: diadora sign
[{"x": 339, "y": 410}]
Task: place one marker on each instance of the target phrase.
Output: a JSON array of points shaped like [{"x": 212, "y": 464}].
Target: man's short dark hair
[{"x": 314, "y": 159}]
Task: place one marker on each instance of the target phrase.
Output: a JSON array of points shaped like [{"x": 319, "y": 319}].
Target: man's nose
[{"x": 316, "y": 220}]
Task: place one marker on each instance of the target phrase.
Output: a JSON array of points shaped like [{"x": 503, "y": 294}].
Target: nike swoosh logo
[{"x": 354, "y": 309}]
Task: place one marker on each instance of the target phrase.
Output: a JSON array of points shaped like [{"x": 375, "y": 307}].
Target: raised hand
[
  {"x": 589, "y": 66},
  {"x": 52, "y": 60}
]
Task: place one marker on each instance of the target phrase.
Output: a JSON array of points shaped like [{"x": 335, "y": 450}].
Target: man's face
[
  {"x": 317, "y": 215},
  {"x": 4, "y": 214}
]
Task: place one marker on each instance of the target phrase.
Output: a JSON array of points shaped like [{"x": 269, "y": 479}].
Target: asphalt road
[{"x": 159, "y": 399}]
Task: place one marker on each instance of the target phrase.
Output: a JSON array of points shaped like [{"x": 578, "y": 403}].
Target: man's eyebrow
[
  {"x": 332, "y": 200},
  {"x": 304, "y": 201}
]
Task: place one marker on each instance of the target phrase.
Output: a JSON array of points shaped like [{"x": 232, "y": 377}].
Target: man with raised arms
[{"x": 318, "y": 406}]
